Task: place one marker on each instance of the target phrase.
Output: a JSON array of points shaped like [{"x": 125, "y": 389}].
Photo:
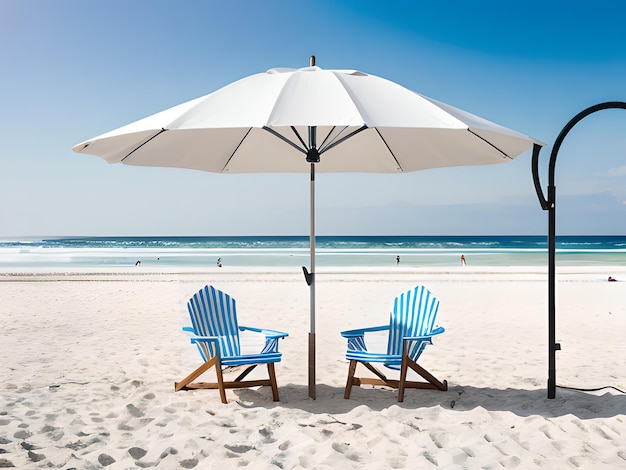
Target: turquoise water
[{"x": 372, "y": 251}]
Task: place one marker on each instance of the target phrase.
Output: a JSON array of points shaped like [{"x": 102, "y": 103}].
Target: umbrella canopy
[
  {"x": 382, "y": 127},
  {"x": 308, "y": 119}
]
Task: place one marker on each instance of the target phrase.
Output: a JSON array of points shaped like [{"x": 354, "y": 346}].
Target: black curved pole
[{"x": 549, "y": 204}]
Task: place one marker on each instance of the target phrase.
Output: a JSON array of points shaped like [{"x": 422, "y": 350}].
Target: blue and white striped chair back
[
  {"x": 414, "y": 314},
  {"x": 213, "y": 313}
]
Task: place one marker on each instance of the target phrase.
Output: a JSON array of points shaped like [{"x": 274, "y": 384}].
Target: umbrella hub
[{"x": 313, "y": 155}]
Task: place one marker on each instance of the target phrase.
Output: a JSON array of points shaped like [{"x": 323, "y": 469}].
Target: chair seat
[
  {"x": 250, "y": 359},
  {"x": 393, "y": 361},
  {"x": 367, "y": 356}
]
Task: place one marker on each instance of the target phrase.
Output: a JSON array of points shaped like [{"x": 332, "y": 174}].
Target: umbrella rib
[
  {"x": 489, "y": 143},
  {"x": 351, "y": 134},
  {"x": 388, "y": 148},
  {"x": 138, "y": 147},
  {"x": 284, "y": 139},
  {"x": 235, "y": 151},
  {"x": 329, "y": 134},
  {"x": 295, "y": 131}
]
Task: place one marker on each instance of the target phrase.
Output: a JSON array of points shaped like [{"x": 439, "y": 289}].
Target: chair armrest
[
  {"x": 205, "y": 339},
  {"x": 189, "y": 329},
  {"x": 428, "y": 337},
  {"x": 271, "y": 338},
  {"x": 356, "y": 338},
  {"x": 207, "y": 351},
  {"x": 270, "y": 334},
  {"x": 362, "y": 331},
  {"x": 438, "y": 330}
]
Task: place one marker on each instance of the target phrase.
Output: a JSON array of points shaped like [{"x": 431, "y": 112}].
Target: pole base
[{"x": 312, "y": 365}]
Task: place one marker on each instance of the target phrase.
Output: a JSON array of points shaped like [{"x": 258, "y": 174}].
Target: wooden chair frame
[
  {"x": 432, "y": 383},
  {"x": 222, "y": 385}
]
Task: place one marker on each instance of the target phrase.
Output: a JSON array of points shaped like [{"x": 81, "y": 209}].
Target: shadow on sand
[{"x": 521, "y": 402}]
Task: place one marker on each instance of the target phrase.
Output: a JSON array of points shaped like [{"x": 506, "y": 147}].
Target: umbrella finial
[{"x": 312, "y": 61}]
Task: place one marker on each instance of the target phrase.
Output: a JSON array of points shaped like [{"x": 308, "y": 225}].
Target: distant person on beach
[
  {"x": 219, "y": 262},
  {"x": 463, "y": 260},
  {"x": 138, "y": 263},
  {"x": 612, "y": 279},
  {"x": 398, "y": 259}
]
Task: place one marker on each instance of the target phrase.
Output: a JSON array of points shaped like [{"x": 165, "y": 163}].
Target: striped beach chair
[
  {"x": 216, "y": 334},
  {"x": 411, "y": 328}
]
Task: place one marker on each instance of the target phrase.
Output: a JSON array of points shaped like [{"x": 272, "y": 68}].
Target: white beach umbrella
[{"x": 308, "y": 120}]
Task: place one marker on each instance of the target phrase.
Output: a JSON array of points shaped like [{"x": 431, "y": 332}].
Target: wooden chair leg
[
  {"x": 428, "y": 376},
  {"x": 195, "y": 374},
  {"x": 274, "y": 385},
  {"x": 220, "y": 382},
  {"x": 402, "y": 383},
  {"x": 351, "y": 371},
  {"x": 245, "y": 373},
  {"x": 375, "y": 371}
]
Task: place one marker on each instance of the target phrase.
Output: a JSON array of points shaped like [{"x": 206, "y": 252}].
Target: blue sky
[{"x": 74, "y": 69}]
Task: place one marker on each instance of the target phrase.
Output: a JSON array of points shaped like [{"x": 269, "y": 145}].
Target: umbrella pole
[
  {"x": 312, "y": 158},
  {"x": 312, "y": 290}
]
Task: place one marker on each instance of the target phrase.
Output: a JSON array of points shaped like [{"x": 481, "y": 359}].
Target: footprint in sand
[
  {"x": 189, "y": 463},
  {"x": 105, "y": 460},
  {"x": 267, "y": 434},
  {"x": 344, "y": 448},
  {"x": 430, "y": 458},
  {"x": 133, "y": 410},
  {"x": 439, "y": 439},
  {"x": 22, "y": 434},
  {"x": 238, "y": 448},
  {"x": 510, "y": 462},
  {"x": 137, "y": 452}
]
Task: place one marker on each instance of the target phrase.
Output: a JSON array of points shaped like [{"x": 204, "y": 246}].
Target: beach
[{"x": 89, "y": 359}]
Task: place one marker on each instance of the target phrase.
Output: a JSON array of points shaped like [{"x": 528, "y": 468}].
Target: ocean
[{"x": 293, "y": 251}]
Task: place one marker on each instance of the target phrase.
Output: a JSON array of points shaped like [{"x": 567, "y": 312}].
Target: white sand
[{"x": 88, "y": 362}]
